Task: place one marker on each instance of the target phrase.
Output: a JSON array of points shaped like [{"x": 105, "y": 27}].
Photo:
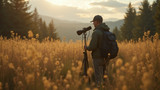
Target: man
[{"x": 99, "y": 63}]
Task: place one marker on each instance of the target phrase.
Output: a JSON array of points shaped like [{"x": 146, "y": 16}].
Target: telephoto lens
[{"x": 79, "y": 32}]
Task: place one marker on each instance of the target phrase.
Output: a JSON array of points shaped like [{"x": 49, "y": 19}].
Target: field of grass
[{"x": 56, "y": 65}]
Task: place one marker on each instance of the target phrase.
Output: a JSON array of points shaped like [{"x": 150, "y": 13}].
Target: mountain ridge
[{"x": 67, "y": 29}]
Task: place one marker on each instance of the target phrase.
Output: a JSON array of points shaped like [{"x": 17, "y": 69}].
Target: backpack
[{"x": 109, "y": 47}]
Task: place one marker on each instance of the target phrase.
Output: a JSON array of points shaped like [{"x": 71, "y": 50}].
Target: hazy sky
[{"x": 84, "y": 10}]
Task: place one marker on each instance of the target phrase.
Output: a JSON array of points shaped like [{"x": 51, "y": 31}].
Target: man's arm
[{"x": 93, "y": 43}]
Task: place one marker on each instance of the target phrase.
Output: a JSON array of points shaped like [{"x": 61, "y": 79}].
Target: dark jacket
[{"x": 96, "y": 40}]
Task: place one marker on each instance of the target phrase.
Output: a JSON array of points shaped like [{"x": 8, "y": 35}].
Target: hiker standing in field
[{"x": 99, "y": 63}]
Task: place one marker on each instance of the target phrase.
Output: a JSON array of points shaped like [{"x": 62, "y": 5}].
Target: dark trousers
[{"x": 100, "y": 69}]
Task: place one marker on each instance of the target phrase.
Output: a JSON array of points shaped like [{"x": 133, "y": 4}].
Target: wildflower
[
  {"x": 124, "y": 87},
  {"x": 146, "y": 80},
  {"x": 11, "y": 66},
  {"x": 65, "y": 81},
  {"x": 57, "y": 63},
  {"x": 37, "y": 36},
  {"x": 62, "y": 65},
  {"x": 44, "y": 78},
  {"x": 46, "y": 83},
  {"x": 118, "y": 71},
  {"x": 90, "y": 72},
  {"x": 73, "y": 68},
  {"x": 122, "y": 68},
  {"x": 148, "y": 32},
  {"x": 121, "y": 78},
  {"x": 126, "y": 65},
  {"x": 45, "y": 60},
  {"x": 119, "y": 62},
  {"x": 156, "y": 36},
  {"x": 69, "y": 76},
  {"x": 105, "y": 76},
  {"x": 11, "y": 32},
  {"x": 55, "y": 87},
  {"x": 134, "y": 59},
  {"x": 79, "y": 64},
  {"x": 139, "y": 39},
  {"x": 30, "y": 34},
  {"x": 29, "y": 78},
  {"x": 87, "y": 88},
  {"x": 67, "y": 86},
  {"x": 145, "y": 34}
]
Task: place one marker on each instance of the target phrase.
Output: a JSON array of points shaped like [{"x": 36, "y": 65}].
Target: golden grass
[{"x": 56, "y": 65}]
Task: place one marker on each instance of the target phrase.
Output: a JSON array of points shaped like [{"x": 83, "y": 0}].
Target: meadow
[{"x": 27, "y": 64}]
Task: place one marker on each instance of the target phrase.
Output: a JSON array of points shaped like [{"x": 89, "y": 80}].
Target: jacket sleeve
[{"x": 94, "y": 41}]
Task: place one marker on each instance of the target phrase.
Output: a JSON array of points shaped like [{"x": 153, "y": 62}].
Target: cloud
[
  {"x": 57, "y": 11},
  {"x": 68, "y": 12},
  {"x": 74, "y": 13},
  {"x": 110, "y": 3}
]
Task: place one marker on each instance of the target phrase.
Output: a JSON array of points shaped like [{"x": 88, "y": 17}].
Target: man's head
[{"x": 97, "y": 20}]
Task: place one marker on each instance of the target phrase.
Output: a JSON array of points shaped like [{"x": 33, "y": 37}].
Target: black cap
[{"x": 97, "y": 18}]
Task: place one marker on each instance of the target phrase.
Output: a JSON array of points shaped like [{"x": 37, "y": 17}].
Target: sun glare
[
  {"x": 58, "y": 2},
  {"x": 72, "y": 3}
]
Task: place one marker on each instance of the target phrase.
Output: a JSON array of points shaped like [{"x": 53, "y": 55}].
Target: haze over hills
[{"x": 67, "y": 29}]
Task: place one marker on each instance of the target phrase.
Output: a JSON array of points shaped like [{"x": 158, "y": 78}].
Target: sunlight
[
  {"x": 73, "y": 3},
  {"x": 58, "y": 2}
]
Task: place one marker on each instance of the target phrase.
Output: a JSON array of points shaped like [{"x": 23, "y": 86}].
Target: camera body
[{"x": 79, "y": 32}]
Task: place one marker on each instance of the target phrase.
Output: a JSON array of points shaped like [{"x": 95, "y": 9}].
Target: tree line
[
  {"x": 15, "y": 16},
  {"x": 136, "y": 23}
]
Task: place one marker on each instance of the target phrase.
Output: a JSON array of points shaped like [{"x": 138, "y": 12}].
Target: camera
[{"x": 79, "y": 32}]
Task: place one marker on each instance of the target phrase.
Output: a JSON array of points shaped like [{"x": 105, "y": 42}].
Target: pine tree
[
  {"x": 52, "y": 31},
  {"x": 40, "y": 24},
  {"x": 117, "y": 33},
  {"x": 5, "y": 18},
  {"x": 157, "y": 17},
  {"x": 35, "y": 22},
  {"x": 144, "y": 20},
  {"x": 21, "y": 18},
  {"x": 1, "y": 16},
  {"x": 128, "y": 25},
  {"x": 43, "y": 30},
  {"x": 1, "y": 4}
]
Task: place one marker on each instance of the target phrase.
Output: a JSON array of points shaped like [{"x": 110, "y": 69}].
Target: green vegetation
[
  {"x": 15, "y": 16},
  {"x": 146, "y": 19}
]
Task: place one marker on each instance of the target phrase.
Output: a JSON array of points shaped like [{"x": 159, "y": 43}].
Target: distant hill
[{"x": 67, "y": 29}]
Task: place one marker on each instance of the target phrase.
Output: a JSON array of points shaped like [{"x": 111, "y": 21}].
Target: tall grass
[{"x": 27, "y": 64}]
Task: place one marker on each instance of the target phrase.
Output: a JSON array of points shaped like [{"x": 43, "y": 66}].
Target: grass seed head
[
  {"x": 11, "y": 66},
  {"x": 119, "y": 62}
]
